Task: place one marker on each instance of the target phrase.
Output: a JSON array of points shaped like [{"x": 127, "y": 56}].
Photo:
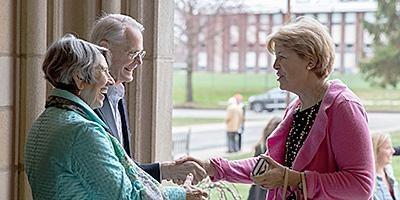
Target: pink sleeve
[
  {"x": 237, "y": 171},
  {"x": 352, "y": 150}
]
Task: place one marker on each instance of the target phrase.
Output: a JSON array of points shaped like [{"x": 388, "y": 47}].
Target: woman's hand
[
  {"x": 274, "y": 177},
  {"x": 193, "y": 193},
  {"x": 206, "y": 164}
]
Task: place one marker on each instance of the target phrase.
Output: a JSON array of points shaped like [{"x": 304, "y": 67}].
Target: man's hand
[{"x": 178, "y": 171}]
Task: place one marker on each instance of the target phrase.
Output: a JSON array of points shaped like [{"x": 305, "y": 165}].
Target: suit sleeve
[{"x": 153, "y": 169}]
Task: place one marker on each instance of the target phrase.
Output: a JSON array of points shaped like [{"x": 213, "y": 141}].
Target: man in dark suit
[{"x": 122, "y": 35}]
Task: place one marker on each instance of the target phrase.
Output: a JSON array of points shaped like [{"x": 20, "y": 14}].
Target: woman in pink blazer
[{"x": 322, "y": 147}]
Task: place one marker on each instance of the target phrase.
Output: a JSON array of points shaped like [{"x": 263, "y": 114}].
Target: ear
[
  {"x": 80, "y": 84},
  {"x": 311, "y": 63},
  {"x": 104, "y": 43}
]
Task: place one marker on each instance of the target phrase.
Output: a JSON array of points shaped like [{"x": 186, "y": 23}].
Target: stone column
[
  {"x": 111, "y": 6},
  {"x": 30, "y": 85},
  {"x": 150, "y": 94},
  {"x": 8, "y": 160}
]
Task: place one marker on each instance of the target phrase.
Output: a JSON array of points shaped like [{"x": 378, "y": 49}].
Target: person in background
[
  {"x": 386, "y": 186},
  {"x": 239, "y": 100},
  {"x": 233, "y": 120},
  {"x": 322, "y": 149},
  {"x": 256, "y": 192},
  {"x": 69, "y": 152},
  {"x": 122, "y": 35}
]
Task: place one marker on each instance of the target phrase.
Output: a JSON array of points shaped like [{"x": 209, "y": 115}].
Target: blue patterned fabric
[{"x": 69, "y": 155}]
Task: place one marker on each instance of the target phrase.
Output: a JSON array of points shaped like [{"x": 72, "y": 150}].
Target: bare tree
[{"x": 189, "y": 15}]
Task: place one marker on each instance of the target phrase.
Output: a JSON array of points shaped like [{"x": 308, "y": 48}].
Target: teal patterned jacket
[{"x": 70, "y": 155}]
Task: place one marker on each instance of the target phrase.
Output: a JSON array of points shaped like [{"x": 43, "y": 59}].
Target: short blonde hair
[
  {"x": 378, "y": 139},
  {"x": 309, "y": 39}
]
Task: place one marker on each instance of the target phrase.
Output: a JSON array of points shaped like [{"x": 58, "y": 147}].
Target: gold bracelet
[{"x": 303, "y": 184}]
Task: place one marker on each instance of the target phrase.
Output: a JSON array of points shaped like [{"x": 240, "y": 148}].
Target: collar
[
  {"x": 116, "y": 93},
  {"x": 278, "y": 137},
  {"x": 85, "y": 107}
]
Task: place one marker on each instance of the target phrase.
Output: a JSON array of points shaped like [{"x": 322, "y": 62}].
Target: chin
[{"x": 97, "y": 105}]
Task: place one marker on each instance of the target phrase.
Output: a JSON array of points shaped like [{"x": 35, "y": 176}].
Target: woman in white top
[{"x": 386, "y": 187}]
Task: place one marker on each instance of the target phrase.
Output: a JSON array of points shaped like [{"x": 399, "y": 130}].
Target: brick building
[{"x": 240, "y": 47}]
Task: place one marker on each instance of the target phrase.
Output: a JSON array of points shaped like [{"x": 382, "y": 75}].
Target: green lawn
[{"x": 211, "y": 90}]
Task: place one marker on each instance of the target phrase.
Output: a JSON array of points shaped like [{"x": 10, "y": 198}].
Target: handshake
[{"x": 187, "y": 171}]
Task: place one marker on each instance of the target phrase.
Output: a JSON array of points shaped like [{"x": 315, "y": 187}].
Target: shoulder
[{"x": 340, "y": 97}]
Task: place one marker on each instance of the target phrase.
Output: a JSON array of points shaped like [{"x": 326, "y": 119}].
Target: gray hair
[
  {"x": 112, "y": 27},
  {"x": 70, "y": 56}
]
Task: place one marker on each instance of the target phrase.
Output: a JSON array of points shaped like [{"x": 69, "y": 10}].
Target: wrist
[
  {"x": 209, "y": 167},
  {"x": 294, "y": 178},
  {"x": 165, "y": 169}
]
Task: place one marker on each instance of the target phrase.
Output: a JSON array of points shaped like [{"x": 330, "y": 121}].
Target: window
[
  {"x": 202, "y": 60},
  {"x": 251, "y": 59},
  {"x": 251, "y": 35},
  {"x": 234, "y": 61},
  {"x": 262, "y": 37},
  {"x": 277, "y": 19},
  {"x": 262, "y": 60},
  {"x": 234, "y": 34},
  {"x": 350, "y": 18}
]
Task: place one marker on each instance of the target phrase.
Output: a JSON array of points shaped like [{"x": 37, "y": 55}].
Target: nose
[
  {"x": 110, "y": 80},
  {"x": 275, "y": 65},
  {"x": 139, "y": 60},
  {"x": 393, "y": 151}
]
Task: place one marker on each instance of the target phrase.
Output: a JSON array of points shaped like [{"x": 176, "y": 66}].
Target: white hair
[
  {"x": 70, "y": 56},
  {"x": 112, "y": 28}
]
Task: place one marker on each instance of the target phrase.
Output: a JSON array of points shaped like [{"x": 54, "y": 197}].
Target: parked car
[{"x": 270, "y": 100}]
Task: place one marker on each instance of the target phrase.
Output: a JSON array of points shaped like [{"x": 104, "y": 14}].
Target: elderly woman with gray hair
[{"x": 69, "y": 152}]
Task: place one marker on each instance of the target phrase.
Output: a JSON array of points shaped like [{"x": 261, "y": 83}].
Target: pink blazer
[{"x": 336, "y": 157}]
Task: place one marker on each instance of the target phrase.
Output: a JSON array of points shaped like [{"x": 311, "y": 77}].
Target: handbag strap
[{"x": 304, "y": 184}]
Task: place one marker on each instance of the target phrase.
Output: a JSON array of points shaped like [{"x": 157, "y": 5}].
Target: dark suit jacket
[{"x": 105, "y": 113}]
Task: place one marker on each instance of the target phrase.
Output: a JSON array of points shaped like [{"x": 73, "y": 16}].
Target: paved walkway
[{"x": 209, "y": 140}]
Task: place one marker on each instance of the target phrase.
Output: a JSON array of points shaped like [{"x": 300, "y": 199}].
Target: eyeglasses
[{"x": 135, "y": 54}]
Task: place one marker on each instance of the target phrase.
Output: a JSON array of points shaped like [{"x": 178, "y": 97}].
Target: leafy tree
[
  {"x": 383, "y": 68},
  {"x": 188, "y": 26}
]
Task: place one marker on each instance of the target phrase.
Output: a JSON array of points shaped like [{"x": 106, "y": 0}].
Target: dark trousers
[{"x": 233, "y": 139}]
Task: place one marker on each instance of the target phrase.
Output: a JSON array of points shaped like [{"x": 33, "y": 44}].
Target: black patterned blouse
[{"x": 301, "y": 126}]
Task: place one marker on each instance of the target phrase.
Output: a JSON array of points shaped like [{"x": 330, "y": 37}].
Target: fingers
[
  {"x": 195, "y": 194},
  {"x": 189, "y": 179},
  {"x": 272, "y": 163},
  {"x": 190, "y": 168},
  {"x": 198, "y": 172},
  {"x": 184, "y": 159},
  {"x": 178, "y": 181}
]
